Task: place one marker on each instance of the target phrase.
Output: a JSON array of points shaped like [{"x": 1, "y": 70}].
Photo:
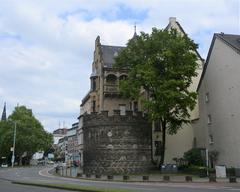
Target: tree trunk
[{"x": 163, "y": 122}]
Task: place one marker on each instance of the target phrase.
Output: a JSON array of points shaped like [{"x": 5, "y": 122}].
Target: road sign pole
[{"x": 14, "y": 142}]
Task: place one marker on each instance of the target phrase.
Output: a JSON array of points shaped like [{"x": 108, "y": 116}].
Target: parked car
[{"x": 4, "y": 165}]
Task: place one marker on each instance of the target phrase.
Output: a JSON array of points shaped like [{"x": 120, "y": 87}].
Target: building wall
[
  {"x": 222, "y": 83},
  {"x": 178, "y": 144},
  {"x": 116, "y": 144}
]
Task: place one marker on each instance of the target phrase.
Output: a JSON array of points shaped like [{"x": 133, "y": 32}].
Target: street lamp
[
  {"x": 207, "y": 161},
  {"x": 14, "y": 142}
]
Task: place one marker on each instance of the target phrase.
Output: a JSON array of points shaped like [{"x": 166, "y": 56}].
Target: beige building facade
[
  {"x": 219, "y": 102},
  {"x": 177, "y": 145}
]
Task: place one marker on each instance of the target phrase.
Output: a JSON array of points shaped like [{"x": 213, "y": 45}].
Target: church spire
[
  {"x": 135, "y": 31},
  {"x": 4, "y": 114}
]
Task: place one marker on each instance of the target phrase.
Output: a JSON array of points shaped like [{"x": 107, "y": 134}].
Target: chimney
[{"x": 172, "y": 20}]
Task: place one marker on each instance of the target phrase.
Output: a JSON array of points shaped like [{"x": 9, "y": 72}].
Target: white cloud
[{"x": 47, "y": 46}]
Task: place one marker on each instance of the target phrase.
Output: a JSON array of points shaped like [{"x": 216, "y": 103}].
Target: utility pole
[
  {"x": 207, "y": 161},
  {"x": 14, "y": 142}
]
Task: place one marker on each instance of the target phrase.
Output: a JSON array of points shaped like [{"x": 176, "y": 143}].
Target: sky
[{"x": 46, "y": 46}]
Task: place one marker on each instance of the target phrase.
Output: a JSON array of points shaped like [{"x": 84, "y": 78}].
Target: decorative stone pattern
[{"x": 116, "y": 144}]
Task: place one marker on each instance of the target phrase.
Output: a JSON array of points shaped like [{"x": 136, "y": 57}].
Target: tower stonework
[{"x": 116, "y": 144}]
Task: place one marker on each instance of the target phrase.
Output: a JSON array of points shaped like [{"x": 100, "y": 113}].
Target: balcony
[{"x": 111, "y": 89}]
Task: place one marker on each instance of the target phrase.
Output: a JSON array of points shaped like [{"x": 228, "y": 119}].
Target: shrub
[{"x": 194, "y": 157}]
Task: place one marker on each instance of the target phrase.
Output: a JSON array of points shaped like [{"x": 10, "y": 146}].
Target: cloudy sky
[{"x": 46, "y": 46}]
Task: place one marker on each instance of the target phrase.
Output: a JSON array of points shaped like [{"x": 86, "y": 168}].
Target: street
[
  {"x": 8, "y": 186},
  {"x": 40, "y": 174}
]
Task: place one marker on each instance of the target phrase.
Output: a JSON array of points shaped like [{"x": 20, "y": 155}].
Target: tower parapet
[{"x": 117, "y": 144}]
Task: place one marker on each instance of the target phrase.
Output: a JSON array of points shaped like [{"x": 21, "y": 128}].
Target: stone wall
[{"x": 116, "y": 144}]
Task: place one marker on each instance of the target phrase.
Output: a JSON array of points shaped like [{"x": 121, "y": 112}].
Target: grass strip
[{"x": 72, "y": 187}]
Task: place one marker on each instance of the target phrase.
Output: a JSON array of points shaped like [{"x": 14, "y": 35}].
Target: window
[
  {"x": 207, "y": 97},
  {"x": 94, "y": 84},
  {"x": 157, "y": 125},
  {"x": 122, "y": 108},
  {"x": 135, "y": 106},
  {"x": 111, "y": 79},
  {"x": 130, "y": 105},
  {"x": 123, "y": 77},
  {"x": 211, "y": 139},
  {"x": 209, "y": 119},
  {"x": 195, "y": 142},
  {"x": 93, "y": 106},
  {"x": 158, "y": 148}
]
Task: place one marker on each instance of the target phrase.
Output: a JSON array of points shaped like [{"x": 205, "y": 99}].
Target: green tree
[
  {"x": 161, "y": 63},
  {"x": 30, "y": 138}
]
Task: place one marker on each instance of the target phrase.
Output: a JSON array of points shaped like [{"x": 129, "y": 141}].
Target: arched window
[
  {"x": 111, "y": 79},
  {"x": 123, "y": 77}
]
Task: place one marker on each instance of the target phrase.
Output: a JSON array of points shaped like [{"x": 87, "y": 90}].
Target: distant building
[
  {"x": 59, "y": 134},
  {"x": 72, "y": 144},
  {"x": 217, "y": 128}
]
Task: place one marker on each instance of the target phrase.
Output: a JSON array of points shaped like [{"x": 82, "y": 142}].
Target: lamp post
[
  {"x": 14, "y": 142},
  {"x": 207, "y": 161}
]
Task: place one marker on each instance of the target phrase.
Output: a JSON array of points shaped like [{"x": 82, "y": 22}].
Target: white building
[{"x": 218, "y": 128}]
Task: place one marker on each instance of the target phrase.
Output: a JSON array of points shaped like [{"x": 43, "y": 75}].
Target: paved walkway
[{"x": 151, "y": 178}]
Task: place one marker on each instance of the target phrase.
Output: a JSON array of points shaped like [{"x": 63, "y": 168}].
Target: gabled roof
[
  {"x": 182, "y": 30},
  {"x": 232, "y": 41},
  {"x": 108, "y": 54}
]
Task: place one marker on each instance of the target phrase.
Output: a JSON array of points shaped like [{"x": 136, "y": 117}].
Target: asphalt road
[
  {"x": 40, "y": 174},
  {"x": 7, "y": 186}
]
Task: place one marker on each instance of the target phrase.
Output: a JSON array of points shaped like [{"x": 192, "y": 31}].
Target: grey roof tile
[
  {"x": 231, "y": 40},
  {"x": 108, "y": 53}
]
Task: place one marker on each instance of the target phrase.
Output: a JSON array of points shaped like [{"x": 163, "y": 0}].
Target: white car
[{"x": 4, "y": 165}]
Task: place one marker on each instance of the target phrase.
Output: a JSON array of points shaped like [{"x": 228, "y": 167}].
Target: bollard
[
  {"x": 212, "y": 179},
  {"x": 145, "y": 178},
  {"x": 166, "y": 178},
  {"x": 88, "y": 175},
  {"x": 79, "y": 175},
  {"x": 125, "y": 177},
  {"x": 232, "y": 180},
  {"x": 188, "y": 178}
]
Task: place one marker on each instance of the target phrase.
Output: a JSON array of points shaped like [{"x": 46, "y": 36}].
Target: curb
[{"x": 52, "y": 187}]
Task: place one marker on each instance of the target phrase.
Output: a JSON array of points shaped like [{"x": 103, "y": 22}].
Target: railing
[{"x": 111, "y": 88}]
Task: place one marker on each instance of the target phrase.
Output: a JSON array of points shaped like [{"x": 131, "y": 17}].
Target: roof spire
[
  {"x": 135, "y": 31},
  {"x": 4, "y": 114}
]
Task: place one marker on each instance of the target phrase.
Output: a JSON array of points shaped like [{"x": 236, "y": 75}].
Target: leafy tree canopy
[
  {"x": 161, "y": 65},
  {"x": 30, "y": 134}
]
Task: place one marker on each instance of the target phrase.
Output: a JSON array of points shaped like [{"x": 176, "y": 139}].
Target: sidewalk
[
  {"x": 173, "y": 178},
  {"x": 155, "y": 178}
]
